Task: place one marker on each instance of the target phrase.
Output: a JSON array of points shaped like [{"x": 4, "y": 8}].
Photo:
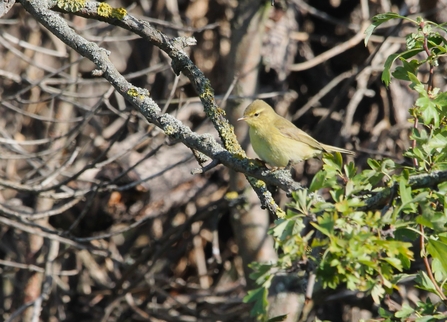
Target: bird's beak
[{"x": 241, "y": 119}]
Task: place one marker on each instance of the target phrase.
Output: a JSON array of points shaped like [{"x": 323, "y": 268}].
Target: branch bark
[{"x": 231, "y": 155}]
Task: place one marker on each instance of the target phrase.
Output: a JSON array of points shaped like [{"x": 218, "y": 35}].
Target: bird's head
[{"x": 258, "y": 114}]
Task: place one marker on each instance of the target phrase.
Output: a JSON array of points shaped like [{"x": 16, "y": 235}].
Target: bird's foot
[
  {"x": 288, "y": 166},
  {"x": 261, "y": 162}
]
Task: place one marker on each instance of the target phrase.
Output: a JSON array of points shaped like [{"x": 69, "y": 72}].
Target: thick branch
[
  {"x": 231, "y": 156},
  {"x": 417, "y": 181}
]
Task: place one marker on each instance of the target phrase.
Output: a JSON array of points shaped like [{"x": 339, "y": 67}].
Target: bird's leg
[
  {"x": 261, "y": 162},
  {"x": 289, "y": 165}
]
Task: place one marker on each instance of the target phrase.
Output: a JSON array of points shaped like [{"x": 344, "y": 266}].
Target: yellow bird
[{"x": 278, "y": 141}]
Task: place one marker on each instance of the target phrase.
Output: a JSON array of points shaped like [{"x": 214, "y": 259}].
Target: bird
[{"x": 277, "y": 141}]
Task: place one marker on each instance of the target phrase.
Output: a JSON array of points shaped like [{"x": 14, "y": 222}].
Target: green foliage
[
  {"x": 353, "y": 247},
  {"x": 261, "y": 274},
  {"x": 424, "y": 312},
  {"x": 428, "y": 37},
  {"x": 362, "y": 236},
  {"x": 380, "y": 19}
]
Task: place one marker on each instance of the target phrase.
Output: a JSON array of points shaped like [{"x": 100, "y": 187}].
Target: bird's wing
[{"x": 292, "y": 132}]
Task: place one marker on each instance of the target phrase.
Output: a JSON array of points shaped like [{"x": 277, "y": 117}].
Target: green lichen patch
[
  {"x": 231, "y": 195},
  {"x": 279, "y": 212},
  {"x": 104, "y": 10},
  {"x": 208, "y": 93},
  {"x": 107, "y": 11},
  {"x": 71, "y": 5},
  {"x": 132, "y": 92},
  {"x": 169, "y": 130},
  {"x": 119, "y": 13},
  {"x": 141, "y": 93}
]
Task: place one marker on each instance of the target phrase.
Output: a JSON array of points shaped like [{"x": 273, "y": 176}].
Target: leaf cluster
[{"x": 347, "y": 241}]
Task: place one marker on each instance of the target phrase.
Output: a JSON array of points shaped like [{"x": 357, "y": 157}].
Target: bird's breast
[
  {"x": 266, "y": 145},
  {"x": 277, "y": 149}
]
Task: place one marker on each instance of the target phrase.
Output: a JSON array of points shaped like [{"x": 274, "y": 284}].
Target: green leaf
[
  {"x": 369, "y": 31},
  {"x": 259, "y": 299},
  {"x": 427, "y": 306},
  {"x": 317, "y": 181},
  {"x": 384, "y": 313},
  {"x": 374, "y": 164},
  {"x": 278, "y": 318},
  {"x": 395, "y": 262},
  {"x": 402, "y": 278},
  {"x": 416, "y": 84},
  {"x": 439, "y": 140},
  {"x": 329, "y": 164},
  {"x": 378, "y": 20},
  {"x": 425, "y": 283},
  {"x": 282, "y": 228},
  {"x": 405, "y": 312},
  {"x": 261, "y": 273},
  {"x": 349, "y": 188},
  {"x": 336, "y": 194},
  {"x": 402, "y": 72},
  {"x": 338, "y": 159},
  {"x": 438, "y": 250},
  {"x": 438, "y": 270},
  {"x": 443, "y": 188},
  {"x": 386, "y": 74},
  {"x": 414, "y": 40},
  {"x": 301, "y": 201},
  {"x": 435, "y": 42},
  {"x": 429, "y": 110},
  {"x": 422, "y": 220},
  {"x": 325, "y": 224},
  {"x": 350, "y": 170},
  {"x": 377, "y": 293},
  {"x": 419, "y": 154},
  {"x": 405, "y": 191},
  {"x": 428, "y": 318},
  {"x": 387, "y": 166},
  {"x": 441, "y": 99}
]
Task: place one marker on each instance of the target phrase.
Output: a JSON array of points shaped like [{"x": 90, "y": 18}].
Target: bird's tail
[{"x": 330, "y": 148}]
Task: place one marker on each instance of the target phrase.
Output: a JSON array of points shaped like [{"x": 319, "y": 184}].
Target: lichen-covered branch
[
  {"x": 417, "y": 181},
  {"x": 231, "y": 155}
]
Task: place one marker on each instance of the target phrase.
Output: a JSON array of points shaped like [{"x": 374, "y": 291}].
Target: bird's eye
[{"x": 256, "y": 114}]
